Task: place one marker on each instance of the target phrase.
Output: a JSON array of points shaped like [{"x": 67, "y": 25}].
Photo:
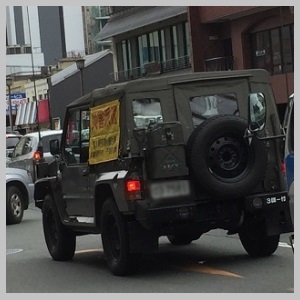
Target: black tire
[
  {"x": 115, "y": 239},
  {"x": 14, "y": 205},
  {"x": 61, "y": 241},
  {"x": 256, "y": 241},
  {"x": 182, "y": 239},
  {"x": 220, "y": 159}
]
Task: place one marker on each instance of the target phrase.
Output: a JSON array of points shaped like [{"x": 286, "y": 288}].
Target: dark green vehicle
[{"x": 173, "y": 156}]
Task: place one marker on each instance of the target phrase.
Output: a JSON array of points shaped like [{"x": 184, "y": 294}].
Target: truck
[{"x": 174, "y": 156}]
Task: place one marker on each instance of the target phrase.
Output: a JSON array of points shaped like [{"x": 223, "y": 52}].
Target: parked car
[
  {"x": 12, "y": 140},
  {"x": 19, "y": 193},
  {"x": 26, "y": 153}
]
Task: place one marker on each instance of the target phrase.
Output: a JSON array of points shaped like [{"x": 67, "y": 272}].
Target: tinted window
[
  {"x": 11, "y": 142},
  {"x": 46, "y": 141}
]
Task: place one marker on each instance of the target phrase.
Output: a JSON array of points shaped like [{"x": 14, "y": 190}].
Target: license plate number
[{"x": 170, "y": 189}]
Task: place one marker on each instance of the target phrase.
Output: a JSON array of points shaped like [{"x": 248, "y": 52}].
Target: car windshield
[
  {"x": 11, "y": 142},
  {"x": 46, "y": 141}
]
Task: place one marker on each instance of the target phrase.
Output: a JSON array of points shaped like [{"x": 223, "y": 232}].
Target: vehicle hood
[{"x": 14, "y": 173}]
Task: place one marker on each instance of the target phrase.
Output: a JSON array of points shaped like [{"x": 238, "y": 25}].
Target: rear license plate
[{"x": 170, "y": 189}]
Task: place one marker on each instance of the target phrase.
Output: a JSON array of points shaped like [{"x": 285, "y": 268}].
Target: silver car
[
  {"x": 19, "y": 193},
  {"x": 26, "y": 154}
]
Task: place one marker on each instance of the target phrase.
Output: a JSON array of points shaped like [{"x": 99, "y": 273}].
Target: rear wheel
[
  {"x": 14, "y": 205},
  {"x": 255, "y": 240},
  {"x": 61, "y": 241},
  {"x": 115, "y": 239}
]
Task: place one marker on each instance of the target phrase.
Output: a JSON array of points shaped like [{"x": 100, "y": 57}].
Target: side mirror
[
  {"x": 256, "y": 112},
  {"x": 54, "y": 147}
]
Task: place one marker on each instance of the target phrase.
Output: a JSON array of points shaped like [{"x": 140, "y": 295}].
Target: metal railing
[
  {"x": 152, "y": 68},
  {"x": 219, "y": 63}
]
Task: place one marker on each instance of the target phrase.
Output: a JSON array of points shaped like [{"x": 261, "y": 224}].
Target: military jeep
[{"x": 173, "y": 156}]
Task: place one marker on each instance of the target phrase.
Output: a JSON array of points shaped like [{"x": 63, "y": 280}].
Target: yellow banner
[{"x": 105, "y": 132}]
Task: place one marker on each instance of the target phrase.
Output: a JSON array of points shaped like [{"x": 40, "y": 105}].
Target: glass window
[
  {"x": 204, "y": 107},
  {"x": 276, "y": 52},
  {"x": 143, "y": 49},
  {"x": 163, "y": 45},
  {"x": 76, "y": 149},
  {"x": 273, "y": 50},
  {"x": 154, "y": 46},
  {"x": 146, "y": 111},
  {"x": 287, "y": 48},
  {"x": 175, "y": 41}
]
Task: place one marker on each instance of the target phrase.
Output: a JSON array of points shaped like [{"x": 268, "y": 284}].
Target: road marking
[
  {"x": 13, "y": 251},
  {"x": 88, "y": 251},
  {"x": 284, "y": 245},
  {"x": 205, "y": 269}
]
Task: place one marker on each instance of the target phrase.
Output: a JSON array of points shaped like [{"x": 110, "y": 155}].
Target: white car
[
  {"x": 19, "y": 193},
  {"x": 26, "y": 153}
]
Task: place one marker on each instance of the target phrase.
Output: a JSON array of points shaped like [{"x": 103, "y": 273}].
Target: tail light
[
  {"x": 134, "y": 189},
  {"x": 283, "y": 167},
  {"x": 37, "y": 155}
]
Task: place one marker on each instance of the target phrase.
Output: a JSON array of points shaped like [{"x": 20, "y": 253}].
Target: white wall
[{"x": 73, "y": 22}]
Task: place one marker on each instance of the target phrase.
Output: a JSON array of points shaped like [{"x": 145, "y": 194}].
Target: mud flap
[{"x": 142, "y": 240}]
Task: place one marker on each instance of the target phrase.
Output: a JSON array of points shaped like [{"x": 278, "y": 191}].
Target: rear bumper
[{"x": 221, "y": 214}]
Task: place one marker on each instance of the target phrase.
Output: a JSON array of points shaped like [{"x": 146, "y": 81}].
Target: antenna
[{"x": 40, "y": 147}]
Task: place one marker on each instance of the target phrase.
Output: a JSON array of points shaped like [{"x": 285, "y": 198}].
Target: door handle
[{"x": 85, "y": 172}]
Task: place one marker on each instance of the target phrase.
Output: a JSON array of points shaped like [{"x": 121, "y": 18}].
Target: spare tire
[{"x": 221, "y": 160}]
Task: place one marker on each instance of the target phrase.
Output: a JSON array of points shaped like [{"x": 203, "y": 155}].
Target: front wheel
[
  {"x": 115, "y": 239},
  {"x": 14, "y": 205},
  {"x": 61, "y": 241},
  {"x": 256, "y": 241}
]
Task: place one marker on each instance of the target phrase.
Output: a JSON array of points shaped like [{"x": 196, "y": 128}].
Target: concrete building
[{"x": 38, "y": 36}]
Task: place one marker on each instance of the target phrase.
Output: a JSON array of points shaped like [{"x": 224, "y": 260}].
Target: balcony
[
  {"x": 152, "y": 69},
  {"x": 219, "y": 64}
]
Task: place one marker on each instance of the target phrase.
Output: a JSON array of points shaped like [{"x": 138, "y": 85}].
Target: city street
[{"x": 215, "y": 263}]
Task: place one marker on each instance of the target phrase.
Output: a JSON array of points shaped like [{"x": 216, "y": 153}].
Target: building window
[
  {"x": 169, "y": 46},
  {"x": 273, "y": 50}
]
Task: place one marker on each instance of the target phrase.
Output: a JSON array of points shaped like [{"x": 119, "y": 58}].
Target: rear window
[
  {"x": 204, "y": 107},
  {"x": 11, "y": 142},
  {"x": 46, "y": 140}
]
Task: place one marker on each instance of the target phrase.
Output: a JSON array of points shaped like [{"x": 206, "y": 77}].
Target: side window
[
  {"x": 204, "y": 107},
  {"x": 18, "y": 151},
  {"x": 146, "y": 111},
  {"x": 76, "y": 147},
  {"x": 27, "y": 146}
]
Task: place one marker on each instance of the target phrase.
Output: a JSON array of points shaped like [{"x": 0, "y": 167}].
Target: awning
[
  {"x": 43, "y": 111},
  {"x": 137, "y": 19},
  {"x": 26, "y": 114}
]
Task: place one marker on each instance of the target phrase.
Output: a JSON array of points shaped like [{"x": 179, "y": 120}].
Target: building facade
[{"x": 155, "y": 40}]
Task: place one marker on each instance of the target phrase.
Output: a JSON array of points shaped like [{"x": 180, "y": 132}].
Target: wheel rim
[
  {"x": 114, "y": 237},
  {"x": 228, "y": 157},
  {"x": 16, "y": 205}
]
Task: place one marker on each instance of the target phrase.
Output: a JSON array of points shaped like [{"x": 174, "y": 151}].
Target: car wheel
[
  {"x": 61, "y": 241},
  {"x": 14, "y": 205},
  {"x": 115, "y": 239},
  {"x": 221, "y": 160},
  {"x": 255, "y": 240}
]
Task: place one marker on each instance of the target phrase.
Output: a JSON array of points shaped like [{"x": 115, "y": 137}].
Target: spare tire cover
[{"x": 221, "y": 160}]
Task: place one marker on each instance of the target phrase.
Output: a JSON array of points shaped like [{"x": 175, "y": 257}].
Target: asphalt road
[{"x": 216, "y": 263}]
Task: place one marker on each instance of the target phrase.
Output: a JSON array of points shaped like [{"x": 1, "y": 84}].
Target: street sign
[{"x": 16, "y": 100}]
